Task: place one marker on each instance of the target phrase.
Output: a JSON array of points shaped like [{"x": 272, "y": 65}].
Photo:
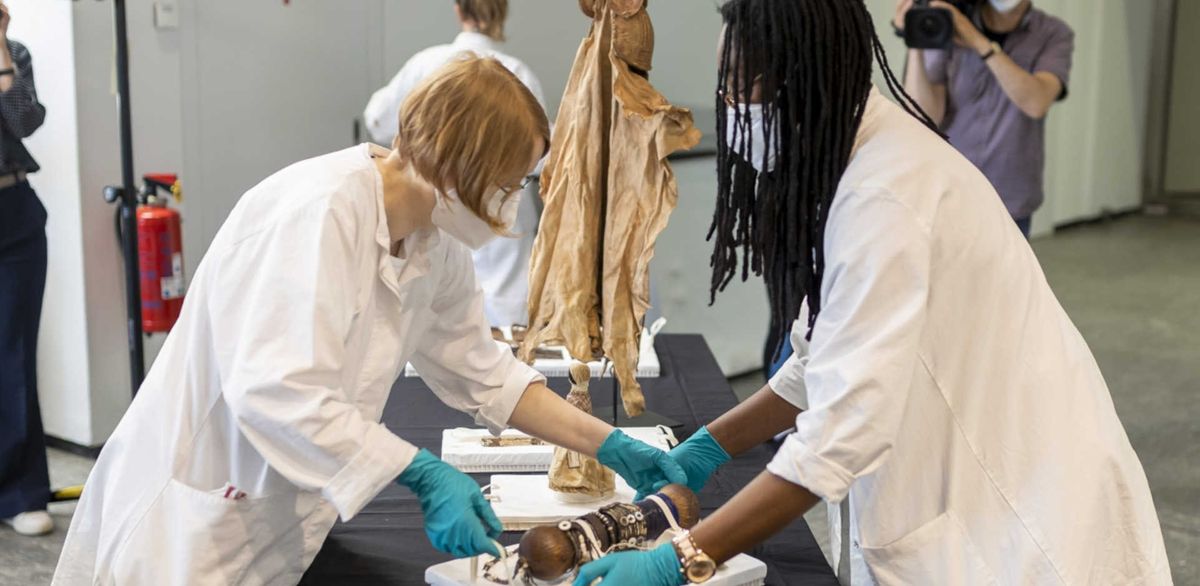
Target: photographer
[{"x": 991, "y": 89}]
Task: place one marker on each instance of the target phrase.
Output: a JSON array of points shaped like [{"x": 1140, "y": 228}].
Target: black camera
[{"x": 926, "y": 27}]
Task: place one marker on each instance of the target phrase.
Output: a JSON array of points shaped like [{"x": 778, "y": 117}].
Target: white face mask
[
  {"x": 755, "y": 140},
  {"x": 1004, "y": 6},
  {"x": 455, "y": 219}
]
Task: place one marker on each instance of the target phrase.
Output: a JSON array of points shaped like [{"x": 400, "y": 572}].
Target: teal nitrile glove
[
  {"x": 458, "y": 520},
  {"x": 699, "y": 456},
  {"x": 657, "y": 567},
  {"x": 645, "y": 467}
]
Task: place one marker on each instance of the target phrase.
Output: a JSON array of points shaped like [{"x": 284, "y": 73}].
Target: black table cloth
[{"x": 386, "y": 542}]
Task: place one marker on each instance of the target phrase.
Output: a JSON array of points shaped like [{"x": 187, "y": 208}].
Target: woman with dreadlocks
[{"x": 944, "y": 404}]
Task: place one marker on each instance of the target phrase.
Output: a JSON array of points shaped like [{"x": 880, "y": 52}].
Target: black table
[{"x": 386, "y": 543}]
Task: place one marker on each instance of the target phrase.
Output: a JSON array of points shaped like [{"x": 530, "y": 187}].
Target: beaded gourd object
[{"x": 551, "y": 552}]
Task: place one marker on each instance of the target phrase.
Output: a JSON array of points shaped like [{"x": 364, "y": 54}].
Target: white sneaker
[{"x": 32, "y": 523}]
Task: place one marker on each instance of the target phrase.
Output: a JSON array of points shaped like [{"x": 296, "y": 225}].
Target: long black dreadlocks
[{"x": 811, "y": 61}]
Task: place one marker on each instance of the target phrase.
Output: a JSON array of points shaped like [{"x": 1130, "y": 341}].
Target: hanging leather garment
[{"x": 608, "y": 193}]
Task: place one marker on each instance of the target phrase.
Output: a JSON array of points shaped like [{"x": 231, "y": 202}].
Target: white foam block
[
  {"x": 523, "y": 502},
  {"x": 742, "y": 570},
  {"x": 463, "y": 449}
]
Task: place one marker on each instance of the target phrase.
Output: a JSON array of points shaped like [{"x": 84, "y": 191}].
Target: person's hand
[
  {"x": 699, "y": 456},
  {"x": 902, "y": 8},
  {"x": 458, "y": 520},
  {"x": 657, "y": 567},
  {"x": 965, "y": 33},
  {"x": 645, "y": 467}
]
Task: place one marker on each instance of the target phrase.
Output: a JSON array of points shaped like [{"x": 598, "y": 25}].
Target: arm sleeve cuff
[
  {"x": 788, "y": 383},
  {"x": 382, "y": 458},
  {"x": 797, "y": 464},
  {"x": 495, "y": 414}
]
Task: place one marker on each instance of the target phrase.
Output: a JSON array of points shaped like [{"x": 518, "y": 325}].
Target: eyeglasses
[{"x": 519, "y": 187}]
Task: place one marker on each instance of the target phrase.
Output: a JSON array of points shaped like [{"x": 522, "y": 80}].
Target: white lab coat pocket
[
  {"x": 189, "y": 536},
  {"x": 939, "y": 552}
]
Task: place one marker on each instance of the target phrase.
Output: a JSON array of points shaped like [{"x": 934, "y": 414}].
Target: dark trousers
[{"x": 24, "y": 480}]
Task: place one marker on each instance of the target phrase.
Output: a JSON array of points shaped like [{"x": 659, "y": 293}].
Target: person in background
[
  {"x": 24, "y": 480},
  {"x": 991, "y": 92},
  {"x": 502, "y": 266}
]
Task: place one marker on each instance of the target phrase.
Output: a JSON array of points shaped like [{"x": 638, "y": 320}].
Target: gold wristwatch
[{"x": 694, "y": 564}]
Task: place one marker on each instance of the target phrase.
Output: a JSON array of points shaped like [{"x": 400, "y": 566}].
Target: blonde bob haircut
[
  {"x": 488, "y": 15},
  {"x": 471, "y": 127}
]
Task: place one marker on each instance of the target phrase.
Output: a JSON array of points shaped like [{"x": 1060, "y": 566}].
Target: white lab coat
[
  {"x": 502, "y": 265},
  {"x": 273, "y": 382},
  {"x": 949, "y": 396}
]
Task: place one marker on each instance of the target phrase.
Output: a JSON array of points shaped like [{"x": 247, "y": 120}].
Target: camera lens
[
  {"x": 929, "y": 28},
  {"x": 932, "y": 28}
]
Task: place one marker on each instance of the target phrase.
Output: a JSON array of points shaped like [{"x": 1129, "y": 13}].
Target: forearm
[
  {"x": 761, "y": 509},
  {"x": 1031, "y": 93},
  {"x": 925, "y": 92},
  {"x": 546, "y": 416},
  {"x": 758, "y": 419}
]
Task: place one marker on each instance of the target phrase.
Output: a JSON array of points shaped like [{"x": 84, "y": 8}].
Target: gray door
[{"x": 266, "y": 84}]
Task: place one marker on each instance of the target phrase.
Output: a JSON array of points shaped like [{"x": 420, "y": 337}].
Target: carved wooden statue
[
  {"x": 573, "y": 476},
  {"x": 608, "y": 191},
  {"x": 550, "y": 552}
]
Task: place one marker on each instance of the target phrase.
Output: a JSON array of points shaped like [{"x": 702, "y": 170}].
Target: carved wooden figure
[
  {"x": 608, "y": 191},
  {"x": 550, "y": 552},
  {"x": 573, "y": 476}
]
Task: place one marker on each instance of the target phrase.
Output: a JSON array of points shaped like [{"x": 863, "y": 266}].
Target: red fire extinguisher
[{"x": 160, "y": 253}]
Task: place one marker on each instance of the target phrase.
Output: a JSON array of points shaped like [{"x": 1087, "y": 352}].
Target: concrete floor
[
  {"x": 28, "y": 561},
  {"x": 1133, "y": 288}
]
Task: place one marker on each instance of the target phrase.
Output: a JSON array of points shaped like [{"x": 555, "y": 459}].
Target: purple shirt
[{"x": 986, "y": 125}]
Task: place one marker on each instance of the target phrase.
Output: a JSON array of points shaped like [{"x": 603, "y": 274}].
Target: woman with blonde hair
[{"x": 259, "y": 424}]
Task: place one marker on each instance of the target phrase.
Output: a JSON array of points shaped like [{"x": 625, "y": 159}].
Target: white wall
[
  {"x": 1183, "y": 146},
  {"x": 45, "y": 28}
]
